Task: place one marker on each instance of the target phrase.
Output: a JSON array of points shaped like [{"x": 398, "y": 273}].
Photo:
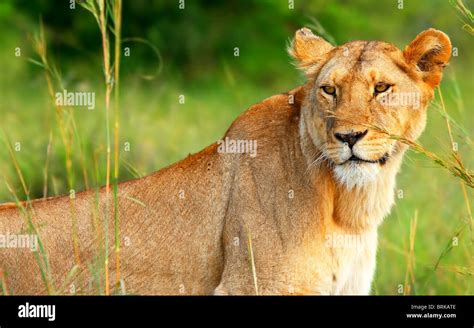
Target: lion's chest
[{"x": 339, "y": 264}]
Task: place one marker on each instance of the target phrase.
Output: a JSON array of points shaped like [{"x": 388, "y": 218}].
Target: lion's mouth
[{"x": 382, "y": 160}]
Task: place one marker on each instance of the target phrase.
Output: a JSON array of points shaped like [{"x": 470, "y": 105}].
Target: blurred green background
[{"x": 196, "y": 59}]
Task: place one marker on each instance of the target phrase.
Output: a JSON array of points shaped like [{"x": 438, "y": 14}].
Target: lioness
[{"x": 299, "y": 217}]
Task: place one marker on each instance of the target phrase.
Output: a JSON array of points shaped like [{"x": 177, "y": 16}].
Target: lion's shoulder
[{"x": 269, "y": 117}]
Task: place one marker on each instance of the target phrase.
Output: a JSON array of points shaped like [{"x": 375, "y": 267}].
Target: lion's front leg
[
  {"x": 221, "y": 290},
  {"x": 360, "y": 279}
]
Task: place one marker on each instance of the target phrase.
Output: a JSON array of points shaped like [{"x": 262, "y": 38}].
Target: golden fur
[{"x": 186, "y": 229}]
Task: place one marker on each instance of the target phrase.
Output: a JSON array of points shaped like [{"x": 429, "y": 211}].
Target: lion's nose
[{"x": 350, "y": 138}]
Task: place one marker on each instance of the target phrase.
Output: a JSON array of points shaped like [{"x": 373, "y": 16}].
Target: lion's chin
[{"x": 356, "y": 174}]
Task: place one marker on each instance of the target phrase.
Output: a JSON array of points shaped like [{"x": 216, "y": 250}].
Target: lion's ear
[
  {"x": 428, "y": 54},
  {"x": 307, "y": 49}
]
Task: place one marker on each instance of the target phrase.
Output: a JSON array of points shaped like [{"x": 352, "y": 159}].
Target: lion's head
[{"x": 359, "y": 91}]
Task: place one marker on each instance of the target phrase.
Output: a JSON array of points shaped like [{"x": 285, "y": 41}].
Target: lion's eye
[
  {"x": 381, "y": 87},
  {"x": 329, "y": 90}
]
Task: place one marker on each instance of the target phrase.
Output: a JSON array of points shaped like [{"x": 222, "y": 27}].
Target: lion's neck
[
  {"x": 359, "y": 208},
  {"x": 364, "y": 207}
]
